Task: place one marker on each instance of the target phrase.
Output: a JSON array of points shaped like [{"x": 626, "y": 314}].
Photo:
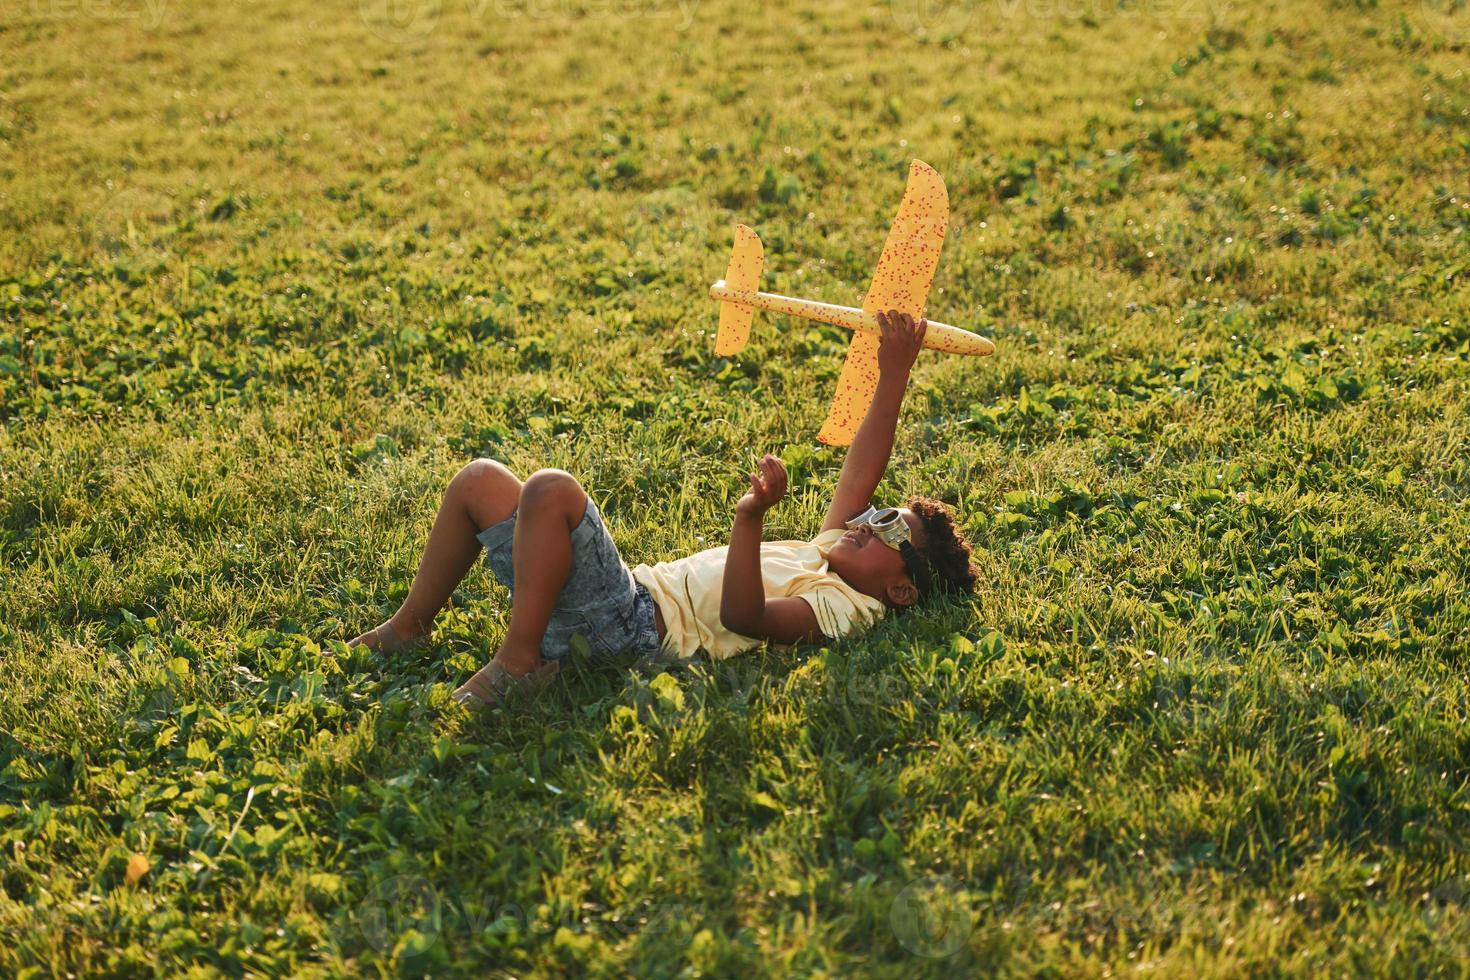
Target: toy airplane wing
[
  {"x": 746, "y": 263},
  {"x": 901, "y": 282}
]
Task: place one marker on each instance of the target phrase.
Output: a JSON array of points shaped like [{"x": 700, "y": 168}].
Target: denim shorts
[{"x": 601, "y": 601}]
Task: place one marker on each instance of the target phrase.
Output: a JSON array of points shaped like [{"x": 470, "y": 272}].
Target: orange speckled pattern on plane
[
  {"x": 746, "y": 263},
  {"x": 901, "y": 282}
]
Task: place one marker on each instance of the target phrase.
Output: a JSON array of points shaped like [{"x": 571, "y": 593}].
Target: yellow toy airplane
[{"x": 901, "y": 282}]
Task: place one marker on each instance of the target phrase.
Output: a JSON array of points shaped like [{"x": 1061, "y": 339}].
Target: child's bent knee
[
  {"x": 486, "y": 473},
  {"x": 487, "y": 490},
  {"x": 554, "y": 488}
]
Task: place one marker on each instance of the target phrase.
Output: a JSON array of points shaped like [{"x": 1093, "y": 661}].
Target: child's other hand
[
  {"x": 901, "y": 341},
  {"x": 766, "y": 488}
]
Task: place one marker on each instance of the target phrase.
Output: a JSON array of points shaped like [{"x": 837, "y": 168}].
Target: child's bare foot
[
  {"x": 489, "y": 685},
  {"x": 386, "y": 638},
  {"x": 486, "y": 689}
]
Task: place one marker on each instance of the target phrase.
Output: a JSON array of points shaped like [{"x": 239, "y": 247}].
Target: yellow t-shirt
[{"x": 688, "y": 594}]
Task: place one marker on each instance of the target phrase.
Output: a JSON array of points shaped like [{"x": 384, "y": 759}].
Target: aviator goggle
[{"x": 889, "y": 527}]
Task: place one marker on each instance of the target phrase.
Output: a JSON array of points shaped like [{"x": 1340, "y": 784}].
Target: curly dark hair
[{"x": 946, "y": 551}]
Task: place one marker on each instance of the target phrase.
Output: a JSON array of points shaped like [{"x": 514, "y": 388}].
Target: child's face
[{"x": 870, "y": 566}]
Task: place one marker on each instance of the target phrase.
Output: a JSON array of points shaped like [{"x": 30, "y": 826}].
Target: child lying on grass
[{"x": 545, "y": 540}]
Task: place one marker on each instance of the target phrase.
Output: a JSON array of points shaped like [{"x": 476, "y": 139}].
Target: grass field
[{"x": 270, "y": 273}]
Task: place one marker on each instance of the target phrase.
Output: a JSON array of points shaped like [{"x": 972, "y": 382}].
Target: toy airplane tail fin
[{"x": 744, "y": 273}]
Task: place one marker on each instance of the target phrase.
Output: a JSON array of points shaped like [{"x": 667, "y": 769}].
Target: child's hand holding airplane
[
  {"x": 901, "y": 342},
  {"x": 766, "y": 488}
]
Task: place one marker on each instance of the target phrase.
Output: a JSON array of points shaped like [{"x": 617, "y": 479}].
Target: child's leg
[
  {"x": 552, "y": 504},
  {"x": 482, "y": 493}
]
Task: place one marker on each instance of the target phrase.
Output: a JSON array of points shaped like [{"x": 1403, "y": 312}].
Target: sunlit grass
[{"x": 270, "y": 274}]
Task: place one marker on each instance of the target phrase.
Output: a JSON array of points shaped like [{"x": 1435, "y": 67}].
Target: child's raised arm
[
  {"x": 744, "y": 608},
  {"x": 868, "y": 458}
]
